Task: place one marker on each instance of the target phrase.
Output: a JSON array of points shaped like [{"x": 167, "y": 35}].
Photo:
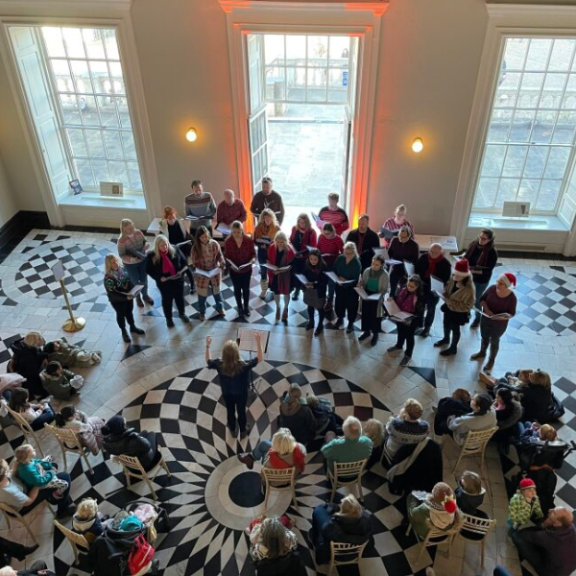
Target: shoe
[
  {"x": 240, "y": 312},
  {"x": 442, "y": 342},
  {"x": 394, "y": 348},
  {"x": 192, "y": 289},
  {"x": 309, "y": 326},
  {"x": 277, "y": 314},
  {"x": 184, "y": 318},
  {"x": 136, "y": 330},
  {"x": 234, "y": 431},
  {"x": 247, "y": 460},
  {"x": 139, "y": 302},
  {"x": 125, "y": 337},
  {"x": 285, "y": 315},
  {"x": 47, "y": 400},
  {"x": 296, "y": 295},
  {"x": 476, "y": 323},
  {"x": 148, "y": 300},
  {"x": 243, "y": 434},
  {"x": 478, "y": 355},
  {"x": 263, "y": 289},
  {"x": 486, "y": 380},
  {"x": 319, "y": 330},
  {"x": 339, "y": 323},
  {"x": 364, "y": 335},
  {"x": 350, "y": 328},
  {"x": 247, "y": 312},
  {"x": 170, "y": 323},
  {"x": 489, "y": 366},
  {"x": 220, "y": 313},
  {"x": 449, "y": 352},
  {"x": 374, "y": 340},
  {"x": 67, "y": 512},
  {"x": 406, "y": 360},
  {"x": 26, "y": 551},
  {"x": 202, "y": 317},
  {"x": 424, "y": 333}
]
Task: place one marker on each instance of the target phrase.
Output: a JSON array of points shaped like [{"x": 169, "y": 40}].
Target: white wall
[{"x": 7, "y": 205}]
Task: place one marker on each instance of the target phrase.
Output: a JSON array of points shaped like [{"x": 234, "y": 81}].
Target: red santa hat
[
  {"x": 508, "y": 278},
  {"x": 462, "y": 267}
]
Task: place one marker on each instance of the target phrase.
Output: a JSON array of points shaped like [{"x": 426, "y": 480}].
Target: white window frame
[{"x": 90, "y": 209}]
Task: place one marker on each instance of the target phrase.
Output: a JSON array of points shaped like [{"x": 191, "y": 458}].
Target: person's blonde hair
[
  {"x": 168, "y": 211},
  {"x": 273, "y": 537},
  {"x": 8, "y": 571},
  {"x": 283, "y": 442},
  {"x": 400, "y": 208},
  {"x": 374, "y": 429},
  {"x": 157, "y": 241},
  {"x": 280, "y": 236},
  {"x": 306, "y": 218},
  {"x": 352, "y": 428},
  {"x": 231, "y": 361},
  {"x": 34, "y": 338},
  {"x": 4, "y": 468},
  {"x": 23, "y": 452},
  {"x": 351, "y": 246},
  {"x": 108, "y": 262},
  {"x": 412, "y": 409},
  {"x": 268, "y": 212},
  {"x": 87, "y": 509},
  {"x": 540, "y": 378},
  {"x": 350, "y": 507},
  {"x": 295, "y": 392},
  {"x": 548, "y": 432},
  {"x": 125, "y": 222}
]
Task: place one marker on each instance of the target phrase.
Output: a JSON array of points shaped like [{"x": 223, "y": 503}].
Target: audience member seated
[
  {"x": 457, "y": 404},
  {"x": 533, "y": 433},
  {"x": 524, "y": 506},
  {"x": 13, "y": 493},
  {"x": 469, "y": 497},
  {"x": 296, "y": 415},
  {"x": 482, "y": 417},
  {"x": 550, "y": 547},
  {"x": 346, "y": 523},
  {"x": 326, "y": 419},
  {"x": 406, "y": 428},
  {"x": 351, "y": 447},
  {"x": 28, "y": 359},
  {"x": 374, "y": 429},
  {"x": 10, "y": 549},
  {"x": 38, "y": 568},
  {"x": 230, "y": 210},
  {"x": 437, "y": 509},
  {"x": 60, "y": 383},
  {"x": 35, "y": 414},
  {"x": 8, "y": 382},
  {"x": 87, "y": 520},
  {"x": 34, "y": 471},
  {"x": 119, "y": 440},
  {"x": 279, "y": 454},
  {"x": 70, "y": 355},
  {"x": 89, "y": 429},
  {"x": 365, "y": 239},
  {"x": 334, "y": 214},
  {"x": 508, "y": 414},
  {"x": 395, "y": 224}
]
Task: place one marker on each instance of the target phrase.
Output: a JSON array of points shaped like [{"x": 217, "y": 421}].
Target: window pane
[
  {"x": 295, "y": 84},
  {"x": 113, "y": 145},
  {"x": 134, "y": 174},
  {"x": 564, "y": 133},
  {"x": 275, "y": 87},
  {"x": 317, "y": 84},
  {"x": 108, "y": 113},
  {"x": 89, "y": 109},
  {"x": 274, "y": 49},
  {"x": 535, "y": 161},
  {"x": 109, "y": 39},
  {"x": 544, "y": 126},
  {"x": 93, "y": 43},
  {"x": 507, "y": 191},
  {"x": 515, "y": 53},
  {"x": 493, "y": 160},
  {"x": 557, "y": 162},
  {"x": 117, "y": 78},
  {"x": 53, "y": 42},
  {"x": 69, "y": 108},
  {"x": 61, "y": 73},
  {"x": 73, "y": 42},
  {"x": 487, "y": 191},
  {"x": 538, "y": 54},
  {"x": 500, "y": 125},
  {"x": 339, "y": 51},
  {"x": 317, "y": 51},
  {"x": 77, "y": 143},
  {"x": 562, "y": 54},
  {"x": 85, "y": 173},
  {"x": 528, "y": 191},
  {"x": 129, "y": 146},
  {"x": 100, "y": 79},
  {"x": 548, "y": 197},
  {"x": 295, "y": 49},
  {"x": 100, "y": 168},
  {"x": 95, "y": 145},
  {"x": 522, "y": 126},
  {"x": 118, "y": 173},
  {"x": 514, "y": 163},
  {"x": 507, "y": 94},
  {"x": 553, "y": 89},
  {"x": 81, "y": 76}
]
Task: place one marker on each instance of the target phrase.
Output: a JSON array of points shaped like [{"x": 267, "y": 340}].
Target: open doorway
[{"x": 302, "y": 92}]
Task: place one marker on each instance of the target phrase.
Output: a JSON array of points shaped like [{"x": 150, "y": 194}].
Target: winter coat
[
  {"x": 512, "y": 418},
  {"x": 58, "y": 386},
  {"x": 448, "y": 407},
  {"x": 90, "y": 528},
  {"x": 154, "y": 269},
  {"x": 27, "y": 361},
  {"x": 298, "y": 418},
  {"x": 461, "y": 425},
  {"x": 30, "y": 474},
  {"x": 462, "y": 300},
  {"x": 130, "y": 443}
]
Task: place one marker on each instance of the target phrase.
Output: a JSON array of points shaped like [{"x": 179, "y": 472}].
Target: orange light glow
[{"x": 376, "y": 8}]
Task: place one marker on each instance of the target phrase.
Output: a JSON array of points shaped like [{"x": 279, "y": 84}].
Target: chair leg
[
  {"x": 360, "y": 493},
  {"x": 151, "y": 488},
  {"x": 7, "y": 520},
  {"x": 333, "y": 493},
  {"x": 65, "y": 460},
  {"x": 409, "y": 529},
  {"x": 331, "y": 567},
  {"x": 422, "y": 548},
  {"x": 267, "y": 494},
  {"x": 75, "y": 550},
  {"x": 87, "y": 462},
  {"x": 128, "y": 480},
  {"x": 30, "y": 532},
  {"x": 457, "y": 462},
  {"x": 165, "y": 466}
]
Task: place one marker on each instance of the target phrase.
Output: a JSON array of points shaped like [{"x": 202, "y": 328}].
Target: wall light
[
  {"x": 417, "y": 145},
  {"x": 191, "y": 135}
]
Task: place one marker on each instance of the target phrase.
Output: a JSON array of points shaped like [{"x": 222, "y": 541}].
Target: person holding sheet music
[
  {"x": 302, "y": 237},
  {"x": 498, "y": 306},
  {"x": 177, "y": 230},
  {"x": 409, "y": 300},
  {"x": 268, "y": 198},
  {"x": 395, "y": 224},
  {"x": 234, "y": 374},
  {"x": 208, "y": 260},
  {"x": 118, "y": 286},
  {"x": 459, "y": 296},
  {"x": 375, "y": 280},
  {"x": 315, "y": 289},
  {"x": 280, "y": 255},
  {"x": 166, "y": 266},
  {"x": 200, "y": 207},
  {"x": 240, "y": 255},
  {"x": 230, "y": 210},
  {"x": 433, "y": 264},
  {"x": 348, "y": 268},
  {"x": 264, "y": 234},
  {"x": 330, "y": 246},
  {"x": 334, "y": 214},
  {"x": 403, "y": 248},
  {"x": 365, "y": 239}
]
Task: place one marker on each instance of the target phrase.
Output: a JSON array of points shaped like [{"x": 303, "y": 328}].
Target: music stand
[{"x": 245, "y": 341}]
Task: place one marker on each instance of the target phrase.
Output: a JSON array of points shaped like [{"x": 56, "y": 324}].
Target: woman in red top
[
  {"x": 302, "y": 237},
  {"x": 240, "y": 254},
  {"x": 280, "y": 254},
  {"x": 396, "y": 223},
  {"x": 330, "y": 246}
]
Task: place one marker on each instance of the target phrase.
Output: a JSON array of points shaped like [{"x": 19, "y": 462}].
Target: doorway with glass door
[{"x": 301, "y": 109}]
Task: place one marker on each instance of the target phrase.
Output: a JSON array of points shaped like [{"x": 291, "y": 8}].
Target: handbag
[
  {"x": 312, "y": 299},
  {"x": 140, "y": 556}
]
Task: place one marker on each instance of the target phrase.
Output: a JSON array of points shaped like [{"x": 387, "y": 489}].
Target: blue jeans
[
  {"x": 527, "y": 551},
  {"x": 202, "y": 302},
  {"x": 259, "y": 453},
  {"x": 501, "y": 571},
  {"x": 479, "y": 291},
  {"x": 137, "y": 275},
  {"x": 322, "y": 515},
  {"x": 46, "y": 416}
]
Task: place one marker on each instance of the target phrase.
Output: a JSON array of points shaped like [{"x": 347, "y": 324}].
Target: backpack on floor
[{"x": 140, "y": 555}]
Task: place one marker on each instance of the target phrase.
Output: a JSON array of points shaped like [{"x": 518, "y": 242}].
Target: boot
[
  {"x": 139, "y": 302},
  {"x": 125, "y": 336},
  {"x": 263, "y": 288},
  {"x": 277, "y": 313},
  {"x": 489, "y": 365},
  {"x": 135, "y": 330},
  {"x": 296, "y": 294},
  {"x": 480, "y": 354},
  {"x": 247, "y": 459},
  {"x": 148, "y": 300}
]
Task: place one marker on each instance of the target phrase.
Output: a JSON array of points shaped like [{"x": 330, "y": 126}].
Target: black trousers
[
  {"x": 236, "y": 404},
  {"x": 124, "y": 312},
  {"x": 397, "y": 278},
  {"x": 321, "y": 315},
  {"x": 451, "y": 326},
  {"x": 346, "y": 303},
  {"x": 406, "y": 335},
  {"x": 241, "y": 283},
  {"x": 370, "y": 321},
  {"x": 172, "y": 291},
  {"x": 431, "y": 300}
]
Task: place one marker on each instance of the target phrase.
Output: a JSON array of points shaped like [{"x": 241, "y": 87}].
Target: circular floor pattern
[{"x": 211, "y": 497}]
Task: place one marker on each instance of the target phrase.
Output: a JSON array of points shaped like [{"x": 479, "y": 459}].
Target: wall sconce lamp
[
  {"x": 417, "y": 145},
  {"x": 191, "y": 135}
]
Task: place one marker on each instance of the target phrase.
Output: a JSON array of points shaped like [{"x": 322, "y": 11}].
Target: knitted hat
[
  {"x": 114, "y": 426},
  {"x": 508, "y": 278},
  {"x": 450, "y": 505},
  {"x": 526, "y": 483},
  {"x": 462, "y": 267}
]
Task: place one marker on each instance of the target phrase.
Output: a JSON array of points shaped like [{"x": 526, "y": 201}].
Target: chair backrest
[
  {"x": 67, "y": 437},
  {"x": 343, "y": 553},
  {"x": 130, "y": 462},
  {"x": 21, "y": 421},
  {"x": 476, "y": 440},
  {"x": 73, "y": 537},
  {"x": 437, "y": 534},
  {"x": 476, "y": 525},
  {"x": 279, "y": 476},
  {"x": 347, "y": 470},
  {"x": 10, "y": 511}
]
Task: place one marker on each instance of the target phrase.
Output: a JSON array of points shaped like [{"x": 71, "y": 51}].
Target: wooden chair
[
  {"x": 436, "y": 537},
  {"x": 475, "y": 443},
  {"x": 342, "y": 554},
  {"x": 10, "y": 514},
  {"x": 347, "y": 474},
  {"x": 133, "y": 469},
  {"x": 281, "y": 480},
  {"x": 69, "y": 442},
  {"x": 475, "y": 525},
  {"x": 78, "y": 542},
  {"x": 29, "y": 433}
]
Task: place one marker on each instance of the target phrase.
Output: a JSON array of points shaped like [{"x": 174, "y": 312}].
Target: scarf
[
  {"x": 406, "y": 301},
  {"x": 361, "y": 236},
  {"x": 432, "y": 262},
  {"x": 167, "y": 266},
  {"x": 484, "y": 252}
]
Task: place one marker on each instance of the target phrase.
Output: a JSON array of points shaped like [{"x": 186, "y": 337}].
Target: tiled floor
[{"x": 160, "y": 383}]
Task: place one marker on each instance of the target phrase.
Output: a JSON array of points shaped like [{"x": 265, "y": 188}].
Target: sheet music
[
  {"x": 136, "y": 290},
  {"x": 502, "y": 314},
  {"x": 303, "y": 279},
  {"x": 247, "y": 342},
  {"x": 437, "y": 285},
  {"x": 381, "y": 252},
  {"x": 223, "y": 229},
  {"x": 365, "y": 296},
  {"x": 409, "y": 268},
  {"x": 276, "y": 268},
  {"x": 394, "y": 311},
  {"x": 335, "y": 278},
  {"x": 237, "y": 268},
  {"x": 207, "y": 273}
]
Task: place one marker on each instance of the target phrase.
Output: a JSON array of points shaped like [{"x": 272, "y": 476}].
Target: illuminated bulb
[
  {"x": 417, "y": 145},
  {"x": 191, "y": 135}
]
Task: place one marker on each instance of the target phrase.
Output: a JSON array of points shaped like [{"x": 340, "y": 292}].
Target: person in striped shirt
[
  {"x": 201, "y": 206},
  {"x": 334, "y": 214},
  {"x": 396, "y": 223}
]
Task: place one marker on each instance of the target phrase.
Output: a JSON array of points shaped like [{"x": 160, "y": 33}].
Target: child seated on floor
[
  {"x": 71, "y": 355},
  {"x": 89, "y": 429},
  {"x": 532, "y": 432},
  {"x": 524, "y": 505},
  {"x": 60, "y": 383},
  {"x": 88, "y": 521},
  {"x": 37, "y": 472}
]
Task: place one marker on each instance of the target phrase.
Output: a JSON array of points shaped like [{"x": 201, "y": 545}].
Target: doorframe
[{"x": 360, "y": 20}]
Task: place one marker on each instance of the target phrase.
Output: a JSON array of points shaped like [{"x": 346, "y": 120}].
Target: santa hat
[
  {"x": 450, "y": 504},
  {"x": 462, "y": 267},
  {"x": 526, "y": 483},
  {"x": 508, "y": 278}
]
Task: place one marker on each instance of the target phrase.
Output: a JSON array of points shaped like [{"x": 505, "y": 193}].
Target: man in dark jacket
[
  {"x": 435, "y": 264},
  {"x": 550, "y": 547},
  {"x": 297, "y": 416},
  {"x": 119, "y": 440},
  {"x": 268, "y": 198},
  {"x": 365, "y": 239}
]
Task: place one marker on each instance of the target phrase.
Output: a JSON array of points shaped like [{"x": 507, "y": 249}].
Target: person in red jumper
[
  {"x": 330, "y": 246},
  {"x": 280, "y": 254},
  {"x": 230, "y": 210},
  {"x": 302, "y": 237},
  {"x": 239, "y": 250},
  {"x": 334, "y": 214}
]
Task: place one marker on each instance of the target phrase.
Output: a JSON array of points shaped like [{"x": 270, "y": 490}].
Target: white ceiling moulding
[
  {"x": 40, "y": 7},
  {"x": 378, "y": 7}
]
